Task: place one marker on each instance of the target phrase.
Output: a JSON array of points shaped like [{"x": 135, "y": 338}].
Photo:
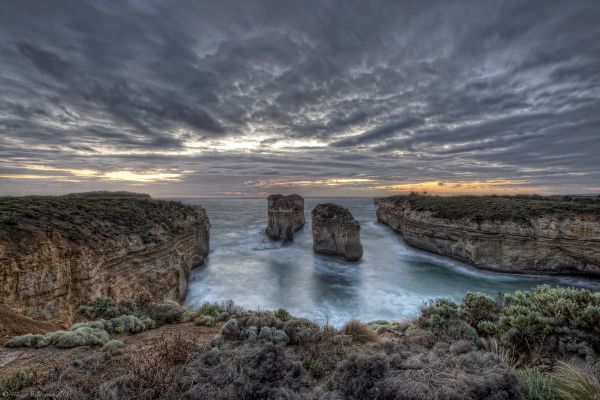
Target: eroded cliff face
[
  {"x": 552, "y": 243},
  {"x": 90, "y": 247},
  {"x": 336, "y": 232},
  {"x": 285, "y": 216}
]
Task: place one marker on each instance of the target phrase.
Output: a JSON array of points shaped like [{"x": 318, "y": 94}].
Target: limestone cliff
[
  {"x": 59, "y": 252},
  {"x": 336, "y": 232},
  {"x": 285, "y": 216},
  {"x": 503, "y": 234}
]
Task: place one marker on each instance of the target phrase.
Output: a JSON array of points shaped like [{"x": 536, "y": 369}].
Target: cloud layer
[{"x": 318, "y": 97}]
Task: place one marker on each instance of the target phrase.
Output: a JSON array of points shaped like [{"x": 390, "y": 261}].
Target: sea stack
[
  {"x": 286, "y": 216},
  {"x": 336, "y": 232}
]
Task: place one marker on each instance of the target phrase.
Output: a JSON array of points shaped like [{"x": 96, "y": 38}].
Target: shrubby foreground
[{"x": 540, "y": 344}]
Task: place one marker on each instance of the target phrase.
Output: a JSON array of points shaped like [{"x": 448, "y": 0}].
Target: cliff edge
[
  {"x": 57, "y": 252},
  {"x": 506, "y": 234}
]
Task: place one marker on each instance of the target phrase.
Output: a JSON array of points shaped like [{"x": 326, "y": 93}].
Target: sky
[{"x": 321, "y": 98}]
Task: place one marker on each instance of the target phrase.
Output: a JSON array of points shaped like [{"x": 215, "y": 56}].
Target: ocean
[{"x": 390, "y": 282}]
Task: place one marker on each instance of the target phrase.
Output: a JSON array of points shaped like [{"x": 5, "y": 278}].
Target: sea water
[{"x": 391, "y": 281}]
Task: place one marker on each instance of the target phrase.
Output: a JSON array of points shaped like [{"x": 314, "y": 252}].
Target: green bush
[
  {"x": 543, "y": 323},
  {"x": 231, "y": 330},
  {"x": 121, "y": 324},
  {"x": 477, "y": 307},
  {"x": 442, "y": 317},
  {"x": 273, "y": 335},
  {"x": 212, "y": 310},
  {"x": 83, "y": 336},
  {"x": 315, "y": 367}
]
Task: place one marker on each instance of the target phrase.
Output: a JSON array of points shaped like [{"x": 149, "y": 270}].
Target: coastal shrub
[
  {"x": 273, "y": 335},
  {"x": 231, "y": 330},
  {"x": 247, "y": 372},
  {"x": 478, "y": 307},
  {"x": 14, "y": 383},
  {"x": 263, "y": 318},
  {"x": 127, "y": 306},
  {"x": 559, "y": 319},
  {"x": 112, "y": 345},
  {"x": 356, "y": 377},
  {"x": 442, "y": 317},
  {"x": 358, "y": 331},
  {"x": 395, "y": 371},
  {"x": 539, "y": 325},
  {"x": 76, "y": 338},
  {"x": 301, "y": 330},
  {"x": 27, "y": 340},
  {"x": 101, "y": 307},
  {"x": 209, "y": 309},
  {"x": 536, "y": 385},
  {"x": 314, "y": 367},
  {"x": 121, "y": 324},
  {"x": 83, "y": 336},
  {"x": 282, "y": 314},
  {"x": 164, "y": 312},
  {"x": 204, "y": 320}
]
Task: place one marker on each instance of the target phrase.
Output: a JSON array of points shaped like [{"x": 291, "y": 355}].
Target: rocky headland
[
  {"x": 285, "y": 216},
  {"x": 58, "y": 252},
  {"x": 336, "y": 232},
  {"x": 509, "y": 234}
]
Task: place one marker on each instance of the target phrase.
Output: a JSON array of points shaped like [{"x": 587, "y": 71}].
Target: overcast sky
[{"x": 361, "y": 98}]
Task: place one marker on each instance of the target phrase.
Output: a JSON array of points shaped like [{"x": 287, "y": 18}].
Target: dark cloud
[{"x": 228, "y": 92}]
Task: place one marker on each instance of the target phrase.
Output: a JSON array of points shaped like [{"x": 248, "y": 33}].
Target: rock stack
[
  {"x": 286, "y": 216},
  {"x": 336, "y": 232}
]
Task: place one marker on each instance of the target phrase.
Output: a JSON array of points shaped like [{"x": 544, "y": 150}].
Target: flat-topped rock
[
  {"x": 286, "y": 216},
  {"x": 336, "y": 232}
]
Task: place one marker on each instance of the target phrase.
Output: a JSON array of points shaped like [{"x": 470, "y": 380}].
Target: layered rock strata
[
  {"x": 336, "y": 232},
  {"x": 501, "y": 234},
  {"x": 285, "y": 216},
  {"x": 59, "y": 252}
]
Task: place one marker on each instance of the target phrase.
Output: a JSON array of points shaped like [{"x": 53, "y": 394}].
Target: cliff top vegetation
[
  {"x": 329, "y": 212},
  {"x": 498, "y": 208},
  {"x": 83, "y": 215}
]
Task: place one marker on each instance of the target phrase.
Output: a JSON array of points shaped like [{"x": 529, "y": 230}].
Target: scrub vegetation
[
  {"x": 539, "y": 344},
  {"x": 79, "y": 216},
  {"x": 498, "y": 208}
]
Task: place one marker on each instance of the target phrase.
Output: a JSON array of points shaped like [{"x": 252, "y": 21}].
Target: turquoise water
[{"x": 390, "y": 282}]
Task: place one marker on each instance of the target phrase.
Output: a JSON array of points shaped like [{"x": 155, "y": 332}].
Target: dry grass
[
  {"x": 359, "y": 332},
  {"x": 153, "y": 373},
  {"x": 575, "y": 383}
]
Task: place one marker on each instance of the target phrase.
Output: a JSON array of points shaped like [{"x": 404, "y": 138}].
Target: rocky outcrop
[
  {"x": 59, "y": 252},
  {"x": 285, "y": 216},
  {"x": 336, "y": 232},
  {"x": 500, "y": 234}
]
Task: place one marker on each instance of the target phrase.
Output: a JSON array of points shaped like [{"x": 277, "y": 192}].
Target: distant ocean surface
[{"x": 391, "y": 282}]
